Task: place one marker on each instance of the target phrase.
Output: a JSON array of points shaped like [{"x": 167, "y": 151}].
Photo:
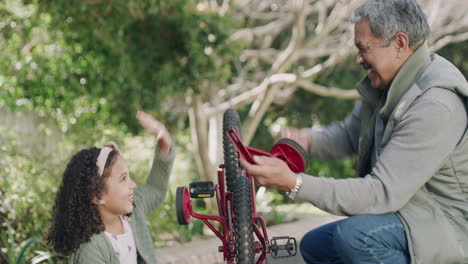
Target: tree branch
[
  {"x": 285, "y": 59},
  {"x": 328, "y": 91},
  {"x": 440, "y": 43}
]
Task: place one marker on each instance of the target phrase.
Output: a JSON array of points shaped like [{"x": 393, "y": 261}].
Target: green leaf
[
  {"x": 28, "y": 243},
  {"x": 43, "y": 255}
]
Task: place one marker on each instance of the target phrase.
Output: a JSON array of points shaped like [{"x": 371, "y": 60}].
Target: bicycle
[{"x": 235, "y": 196}]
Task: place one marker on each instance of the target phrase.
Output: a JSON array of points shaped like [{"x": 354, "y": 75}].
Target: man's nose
[{"x": 359, "y": 59}]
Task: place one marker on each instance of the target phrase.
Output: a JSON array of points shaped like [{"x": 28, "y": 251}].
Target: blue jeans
[{"x": 357, "y": 239}]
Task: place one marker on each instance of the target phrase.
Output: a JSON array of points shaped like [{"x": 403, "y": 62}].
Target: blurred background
[{"x": 74, "y": 73}]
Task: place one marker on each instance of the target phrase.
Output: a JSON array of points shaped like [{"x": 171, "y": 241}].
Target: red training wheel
[
  {"x": 183, "y": 205},
  {"x": 292, "y": 153}
]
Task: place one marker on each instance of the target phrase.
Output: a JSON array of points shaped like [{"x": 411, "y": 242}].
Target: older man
[{"x": 410, "y": 203}]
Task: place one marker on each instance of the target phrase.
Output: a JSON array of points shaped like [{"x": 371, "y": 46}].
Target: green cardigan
[
  {"x": 147, "y": 197},
  {"x": 414, "y": 142}
]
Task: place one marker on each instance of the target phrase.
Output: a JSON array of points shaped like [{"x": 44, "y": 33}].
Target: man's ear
[{"x": 401, "y": 41}]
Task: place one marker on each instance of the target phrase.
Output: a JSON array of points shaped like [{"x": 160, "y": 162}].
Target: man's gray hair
[{"x": 388, "y": 17}]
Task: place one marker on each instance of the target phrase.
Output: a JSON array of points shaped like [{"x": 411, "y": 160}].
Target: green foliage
[
  {"x": 82, "y": 64},
  {"x": 26, "y": 198},
  {"x": 88, "y": 66},
  {"x": 19, "y": 253},
  {"x": 456, "y": 53}
]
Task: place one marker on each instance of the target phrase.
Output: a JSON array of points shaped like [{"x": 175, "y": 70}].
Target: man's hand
[
  {"x": 156, "y": 128},
  {"x": 270, "y": 172},
  {"x": 300, "y": 135}
]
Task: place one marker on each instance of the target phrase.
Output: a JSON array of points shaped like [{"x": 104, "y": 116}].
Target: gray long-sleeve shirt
[{"x": 427, "y": 133}]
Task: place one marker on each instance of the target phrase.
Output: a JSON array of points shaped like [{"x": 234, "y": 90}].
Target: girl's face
[{"x": 117, "y": 197}]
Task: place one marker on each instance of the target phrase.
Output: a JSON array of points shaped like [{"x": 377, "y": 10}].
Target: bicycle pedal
[
  {"x": 201, "y": 189},
  {"x": 289, "y": 245}
]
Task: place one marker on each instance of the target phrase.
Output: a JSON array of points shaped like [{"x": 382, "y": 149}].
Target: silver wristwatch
[{"x": 293, "y": 192}]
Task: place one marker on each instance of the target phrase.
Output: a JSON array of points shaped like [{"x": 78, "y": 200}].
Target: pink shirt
[{"x": 124, "y": 244}]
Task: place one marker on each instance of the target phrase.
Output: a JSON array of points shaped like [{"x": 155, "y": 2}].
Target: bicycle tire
[
  {"x": 231, "y": 157},
  {"x": 243, "y": 221}
]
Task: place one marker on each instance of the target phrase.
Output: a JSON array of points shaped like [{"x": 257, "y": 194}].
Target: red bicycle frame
[
  {"x": 226, "y": 215},
  {"x": 288, "y": 151}
]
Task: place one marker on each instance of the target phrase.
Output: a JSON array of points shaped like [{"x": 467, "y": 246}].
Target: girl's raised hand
[{"x": 157, "y": 128}]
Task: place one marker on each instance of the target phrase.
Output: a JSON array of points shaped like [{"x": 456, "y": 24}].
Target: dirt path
[{"x": 205, "y": 251}]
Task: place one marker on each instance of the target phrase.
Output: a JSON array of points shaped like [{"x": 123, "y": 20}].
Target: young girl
[{"x": 99, "y": 214}]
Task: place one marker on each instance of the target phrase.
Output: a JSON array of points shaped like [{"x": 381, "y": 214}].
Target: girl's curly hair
[{"x": 75, "y": 217}]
